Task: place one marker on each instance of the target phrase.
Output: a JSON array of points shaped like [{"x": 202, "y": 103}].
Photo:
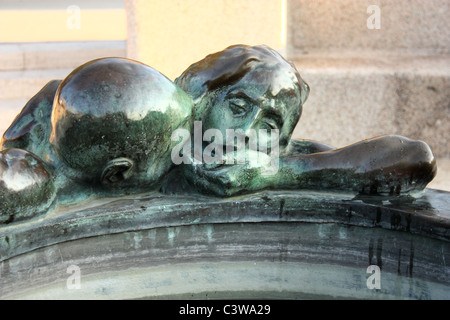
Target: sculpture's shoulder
[{"x": 31, "y": 128}]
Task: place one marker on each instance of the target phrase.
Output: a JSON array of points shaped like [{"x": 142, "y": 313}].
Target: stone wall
[
  {"x": 368, "y": 82},
  {"x": 413, "y": 26}
]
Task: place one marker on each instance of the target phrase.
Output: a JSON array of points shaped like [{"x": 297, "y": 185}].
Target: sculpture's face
[{"x": 262, "y": 99}]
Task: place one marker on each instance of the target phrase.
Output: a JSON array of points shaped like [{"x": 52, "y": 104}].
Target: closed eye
[{"x": 238, "y": 106}]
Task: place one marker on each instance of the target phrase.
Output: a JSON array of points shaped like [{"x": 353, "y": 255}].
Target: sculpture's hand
[{"x": 232, "y": 176}]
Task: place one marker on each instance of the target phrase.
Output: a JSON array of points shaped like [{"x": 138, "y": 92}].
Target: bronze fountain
[
  {"x": 194, "y": 188},
  {"x": 107, "y": 128}
]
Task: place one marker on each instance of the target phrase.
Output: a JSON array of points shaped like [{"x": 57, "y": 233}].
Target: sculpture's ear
[{"x": 117, "y": 171}]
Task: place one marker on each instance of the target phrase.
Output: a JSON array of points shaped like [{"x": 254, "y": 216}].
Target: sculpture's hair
[{"x": 232, "y": 64}]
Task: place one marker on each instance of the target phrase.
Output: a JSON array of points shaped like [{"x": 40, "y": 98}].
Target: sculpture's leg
[
  {"x": 31, "y": 129},
  {"x": 389, "y": 165},
  {"x": 26, "y": 186}
]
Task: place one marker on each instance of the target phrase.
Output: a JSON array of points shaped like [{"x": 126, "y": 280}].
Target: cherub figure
[
  {"x": 254, "y": 87},
  {"x": 107, "y": 129}
]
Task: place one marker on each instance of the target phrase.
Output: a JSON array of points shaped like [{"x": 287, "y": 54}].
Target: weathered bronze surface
[
  {"x": 268, "y": 244},
  {"x": 106, "y": 130}
]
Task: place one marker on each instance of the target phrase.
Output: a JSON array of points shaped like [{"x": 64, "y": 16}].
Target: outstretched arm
[
  {"x": 297, "y": 146},
  {"x": 383, "y": 165}
]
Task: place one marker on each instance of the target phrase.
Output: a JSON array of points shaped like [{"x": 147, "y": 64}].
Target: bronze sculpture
[{"x": 107, "y": 130}]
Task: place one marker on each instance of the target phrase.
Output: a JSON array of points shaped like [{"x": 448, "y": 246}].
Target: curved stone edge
[
  {"x": 427, "y": 215},
  {"x": 292, "y": 260},
  {"x": 244, "y": 274}
]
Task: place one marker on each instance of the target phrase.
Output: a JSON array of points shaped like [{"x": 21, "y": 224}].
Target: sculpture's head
[
  {"x": 113, "y": 119},
  {"x": 245, "y": 87}
]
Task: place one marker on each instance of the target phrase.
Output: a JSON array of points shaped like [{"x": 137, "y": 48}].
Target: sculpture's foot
[{"x": 26, "y": 186}]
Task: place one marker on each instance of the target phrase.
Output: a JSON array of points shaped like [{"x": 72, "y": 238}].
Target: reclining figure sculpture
[{"x": 109, "y": 129}]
